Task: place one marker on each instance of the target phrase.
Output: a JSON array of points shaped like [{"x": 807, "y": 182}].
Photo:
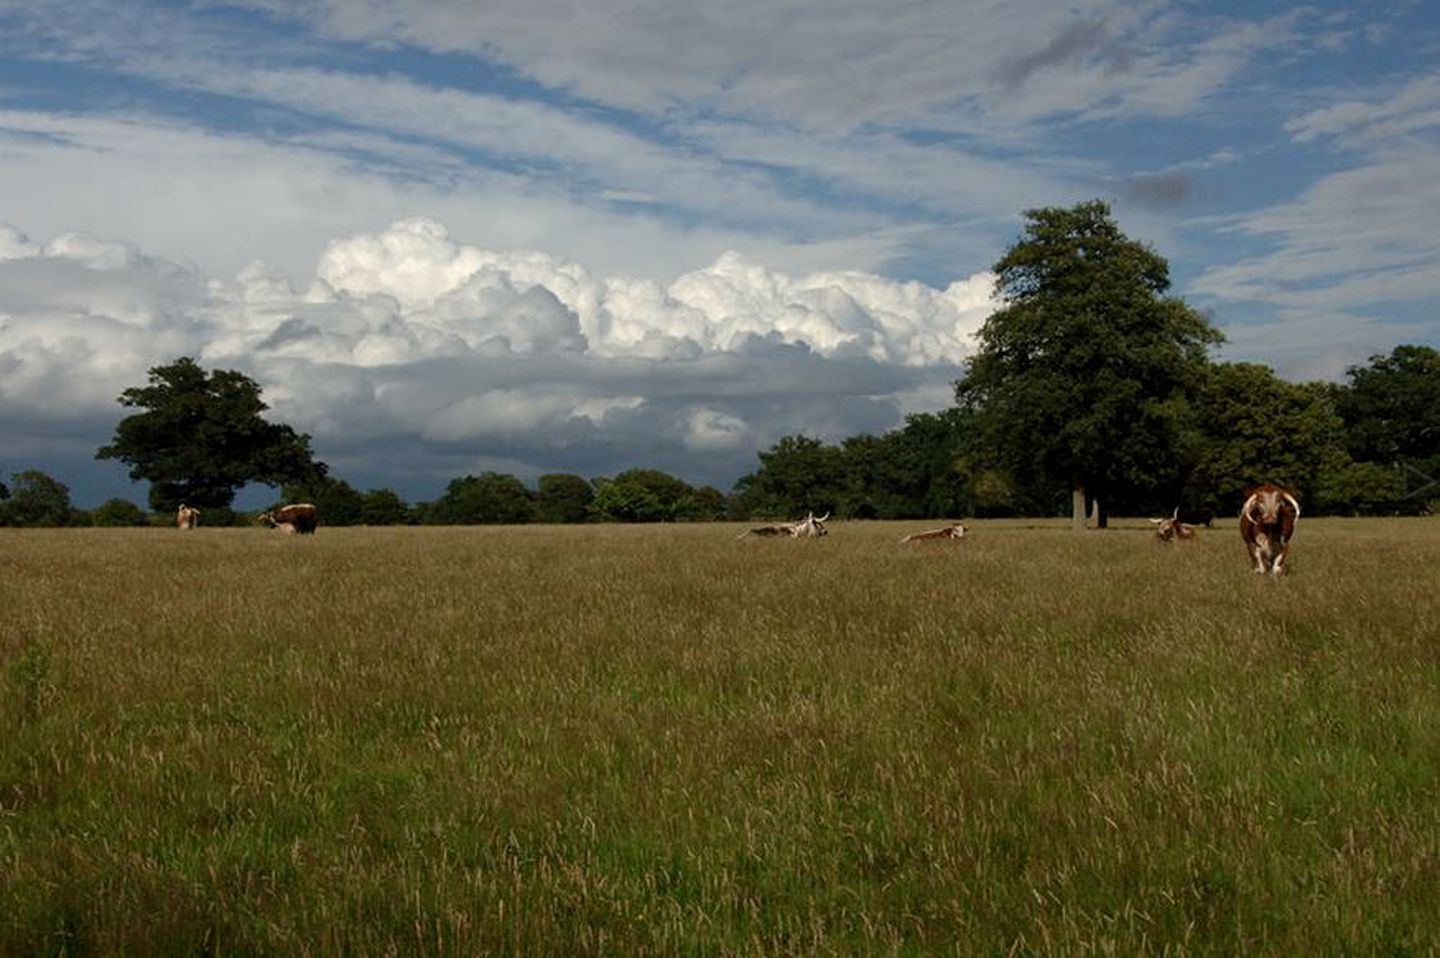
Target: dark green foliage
[
  {"x": 1392, "y": 410},
  {"x": 1254, "y": 427},
  {"x": 705, "y": 504},
  {"x": 201, "y": 438},
  {"x": 37, "y": 500},
  {"x": 119, "y": 512},
  {"x": 384, "y": 507},
  {"x": 337, "y": 502},
  {"x": 489, "y": 498},
  {"x": 1081, "y": 378},
  {"x": 563, "y": 497},
  {"x": 907, "y": 473},
  {"x": 619, "y": 501},
  {"x": 797, "y": 475},
  {"x": 649, "y": 495}
]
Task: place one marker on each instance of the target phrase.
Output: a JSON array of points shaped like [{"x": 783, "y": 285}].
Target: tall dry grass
[{"x": 661, "y": 740}]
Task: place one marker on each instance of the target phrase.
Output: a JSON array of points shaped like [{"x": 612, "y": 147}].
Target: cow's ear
[{"x": 1251, "y": 490}]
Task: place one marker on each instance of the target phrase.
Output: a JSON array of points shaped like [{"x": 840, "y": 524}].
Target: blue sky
[{"x": 535, "y": 236}]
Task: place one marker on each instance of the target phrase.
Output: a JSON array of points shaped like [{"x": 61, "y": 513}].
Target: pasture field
[{"x": 660, "y": 740}]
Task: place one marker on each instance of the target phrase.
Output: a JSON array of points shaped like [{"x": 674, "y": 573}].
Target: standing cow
[
  {"x": 297, "y": 518},
  {"x": 186, "y": 517},
  {"x": 1267, "y": 521}
]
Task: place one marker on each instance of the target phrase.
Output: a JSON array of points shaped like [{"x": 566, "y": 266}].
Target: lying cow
[
  {"x": 297, "y": 518},
  {"x": 811, "y": 527},
  {"x": 957, "y": 531},
  {"x": 186, "y": 517},
  {"x": 1267, "y": 521},
  {"x": 1173, "y": 527}
]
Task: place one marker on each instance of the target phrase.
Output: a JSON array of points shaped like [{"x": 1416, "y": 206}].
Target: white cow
[{"x": 811, "y": 527}]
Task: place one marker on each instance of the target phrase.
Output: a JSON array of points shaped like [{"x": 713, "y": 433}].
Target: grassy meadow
[{"x": 662, "y": 740}]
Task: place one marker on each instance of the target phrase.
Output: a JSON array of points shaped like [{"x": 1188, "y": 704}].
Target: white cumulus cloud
[{"x": 407, "y": 339}]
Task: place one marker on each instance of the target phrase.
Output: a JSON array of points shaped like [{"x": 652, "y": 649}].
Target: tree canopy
[
  {"x": 489, "y": 498},
  {"x": 1392, "y": 408},
  {"x": 201, "y": 438},
  {"x": 37, "y": 499},
  {"x": 1081, "y": 377}
]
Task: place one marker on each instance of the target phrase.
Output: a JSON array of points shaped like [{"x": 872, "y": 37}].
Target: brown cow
[
  {"x": 1172, "y": 527},
  {"x": 957, "y": 531},
  {"x": 300, "y": 517},
  {"x": 187, "y": 518},
  {"x": 1267, "y": 521}
]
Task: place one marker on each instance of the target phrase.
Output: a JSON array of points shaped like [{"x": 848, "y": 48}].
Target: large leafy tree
[
  {"x": 563, "y": 497},
  {"x": 37, "y": 500},
  {"x": 201, "y": 437},
  {"x": 489, "y": 498},
  {"x": 1254, "y": 427},
  {"x": 798, "y": 474},
  {"x": 906, "y": 473},
  {"x": 645, "y": 495},
  {"x": 383, "y": 507},
  {"x": 1391, "y": 410},
  {"x": 119, "y": 512},
  {"x": 1082, "y": 376}
]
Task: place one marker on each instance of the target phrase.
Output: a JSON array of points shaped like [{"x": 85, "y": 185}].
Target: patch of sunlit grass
[{"x": 658, "y": 740}]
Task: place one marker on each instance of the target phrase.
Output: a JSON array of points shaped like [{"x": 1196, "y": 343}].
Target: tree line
[{"x": 1092, "y": 391}]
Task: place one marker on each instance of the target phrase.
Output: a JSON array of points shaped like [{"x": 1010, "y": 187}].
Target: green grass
[{"x": 662, "y": 740}]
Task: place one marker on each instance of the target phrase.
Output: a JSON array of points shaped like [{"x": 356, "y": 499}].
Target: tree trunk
[
  {"x": 1102, "y": 515},
  {"x": 1077, "y": 509}
]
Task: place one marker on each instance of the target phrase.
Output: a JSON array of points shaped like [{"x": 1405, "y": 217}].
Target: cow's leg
[
  {"x": 1258, "y": 555},
  {"x": 1278, "y": 566}
]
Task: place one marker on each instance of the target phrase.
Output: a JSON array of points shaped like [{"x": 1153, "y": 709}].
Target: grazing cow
[
  {"x": 299, "y": 517},
  {"x": 957, "y": 531},
  {"x": 811, "y": 527},
  {"x": 1267, "y": 521},
  {"x": 187, "y": 518},
  {"x": 1173, "y": 527}
]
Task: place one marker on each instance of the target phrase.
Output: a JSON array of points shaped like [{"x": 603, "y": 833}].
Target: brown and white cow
[
  {"x": 811, "y": 527},
  {"x": 300, "y": 517},
  {"x": 1267, "y": 521},
  {"x": 957, "y": 531},
  {"x": 186, "y": 517},
  {"x": 1172, "y": 527}
]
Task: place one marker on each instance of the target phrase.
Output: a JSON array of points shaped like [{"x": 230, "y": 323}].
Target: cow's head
[
  {"x": 811, "y": 526},
  {"x": 1265, "y": 505}
]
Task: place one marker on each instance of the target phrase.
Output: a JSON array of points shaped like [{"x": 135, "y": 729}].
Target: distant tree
[
  {"x": 337, "y": 502},
  {"x": 201, "y": 438},
  {"x": 36, "y": 500},
  {"x": 1081, "y": 377},
  {"x": 489, "y": 498},
  {"x": 1391, "y": 410},
  {"x": 1254, "y": 427},
  {"x": 383, "y": 507},
  {"x": 119, "y": 512},
  {"x": 672, "y": 493},
  {"x": 702, "y": 504},
  {"x": 562, "y": 497},
  {"x": 797, "y": 475},
  {"x": 909, "y": 472},
  {"x": 617, "y": 500}
]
